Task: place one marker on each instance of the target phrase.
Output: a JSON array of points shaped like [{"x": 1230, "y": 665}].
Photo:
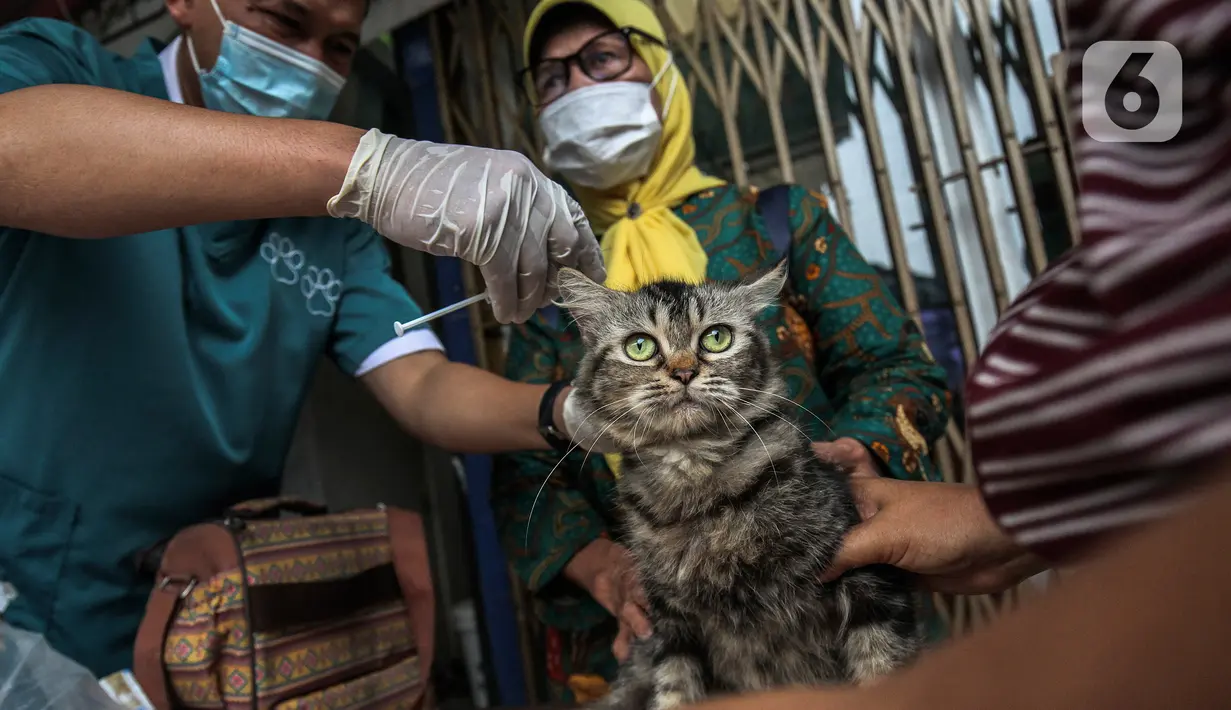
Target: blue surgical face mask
[{"x": 257, "y": 76}]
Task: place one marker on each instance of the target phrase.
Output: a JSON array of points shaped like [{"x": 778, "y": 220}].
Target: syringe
[{"x": 401, "y": 328}]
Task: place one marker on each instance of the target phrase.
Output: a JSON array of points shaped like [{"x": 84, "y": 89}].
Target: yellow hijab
[{"x": 656, "y": 244}]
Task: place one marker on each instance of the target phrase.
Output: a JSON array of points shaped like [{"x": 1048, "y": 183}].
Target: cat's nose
[{"x": 683, "y": 375}]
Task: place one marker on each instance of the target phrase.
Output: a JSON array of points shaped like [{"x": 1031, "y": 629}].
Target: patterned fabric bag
[{"x": 314, "y": 611}]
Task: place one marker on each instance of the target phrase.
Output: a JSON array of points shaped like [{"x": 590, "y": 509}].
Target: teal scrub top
[{"x": 149, "y": 381}]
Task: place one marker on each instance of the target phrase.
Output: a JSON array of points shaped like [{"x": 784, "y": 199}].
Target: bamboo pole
[
  {"x": 860, "y": 44},
  {"x": 902, "y": 39},
  {"x": 728, "y": 93},
  {"x": 772, "y": 70},
  {"x": 943, "y": 24},
  {"x": 1055, "y": 129},
  {"x": 1023, "y": 192},
  {"x": 816, "y": 53}
]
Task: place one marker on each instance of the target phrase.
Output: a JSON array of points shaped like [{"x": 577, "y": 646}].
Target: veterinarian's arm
[
  {"x": 78, "y": 161},
  {"x": 459, "y": 407},
  {"x": 84, "y": 161},
  {"x": 451, "y": 405},
  {"x": 540, "y": 545},
  {"x": 1142, "y": 626},
  {"x": 871, "y": 359}
]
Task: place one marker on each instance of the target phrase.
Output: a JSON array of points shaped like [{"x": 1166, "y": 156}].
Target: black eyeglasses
[{"x": 603, "y": 58}]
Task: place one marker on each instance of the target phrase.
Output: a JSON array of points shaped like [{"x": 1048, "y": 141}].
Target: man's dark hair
[{"x": 559, "y": 19}]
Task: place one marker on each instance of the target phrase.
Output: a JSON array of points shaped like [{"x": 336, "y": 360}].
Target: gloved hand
[
  {"x": 493, "y": 208},
  {"x": 583, "y": 429}
]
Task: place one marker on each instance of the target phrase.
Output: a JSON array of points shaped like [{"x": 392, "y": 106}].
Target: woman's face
[{"x": 603, "y": 51}]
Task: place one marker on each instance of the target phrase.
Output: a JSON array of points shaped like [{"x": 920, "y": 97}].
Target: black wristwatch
[{"x": 547, "y": 422}]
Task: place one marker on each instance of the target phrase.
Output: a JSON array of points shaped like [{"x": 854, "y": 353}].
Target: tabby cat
[{"x": 730, "y": 516}]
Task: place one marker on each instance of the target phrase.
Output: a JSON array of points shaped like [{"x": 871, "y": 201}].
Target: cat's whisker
[
  {"x": 543, "y": 486},
  {"x": 633, "y": 436},
  {"x": 797, "y": 404},
  {"x": 616, "y": 403},
  {"x": 590, "y": 450},
  {"x": 775, "y": 414},
  {"x": 758, "y": 435},
  {"x": 726, "y": 422}
]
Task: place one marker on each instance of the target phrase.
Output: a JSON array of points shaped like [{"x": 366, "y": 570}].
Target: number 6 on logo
[{"x": 1132, "y": 92}]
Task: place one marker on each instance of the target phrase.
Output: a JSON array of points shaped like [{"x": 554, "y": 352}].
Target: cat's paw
[
  {"x": 677, "y": 682},
  {"x": 669, "y": 701}
]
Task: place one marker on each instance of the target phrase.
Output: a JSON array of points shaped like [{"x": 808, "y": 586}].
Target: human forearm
[
  {"x": 459, "y": 407},
  {"x": 1141, "y": 626},
  {"x": 80, "y": 161},
  {"x": 940, "y": 532},
  {"x": 589, "y": 562},
  {"x": 991, "y": 561},
  {"x": 1120, "y": 633}
]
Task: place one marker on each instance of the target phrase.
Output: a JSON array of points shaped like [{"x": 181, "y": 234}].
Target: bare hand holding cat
[
  {"x": 606, "y": 570},
  {"x": 849, "y": 453},
  {"x": 940, "y": 531}
]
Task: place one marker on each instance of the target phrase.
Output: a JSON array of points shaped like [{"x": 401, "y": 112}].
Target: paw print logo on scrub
[
  {"x": 322, "y": 289},
  {"x": 284, "y": 259}
]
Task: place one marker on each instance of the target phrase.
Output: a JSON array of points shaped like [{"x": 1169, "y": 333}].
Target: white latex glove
[
  {"x": 493, "y": 208},
  {"x": 583, "y": 429}
]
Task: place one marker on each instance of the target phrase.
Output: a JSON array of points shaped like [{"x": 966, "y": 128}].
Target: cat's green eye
[
  {"x": 640, "y": 347},
  {"x": 716, "y": 339}
]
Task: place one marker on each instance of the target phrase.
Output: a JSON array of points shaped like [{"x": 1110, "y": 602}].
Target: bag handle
[
  {"x": 270, "y": 508},
  {"x": 147, "y": 560}
]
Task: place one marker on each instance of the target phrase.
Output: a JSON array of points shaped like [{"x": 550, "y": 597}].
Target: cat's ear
[
  {"x": 764, "y": 292},
  {"x": 584, "y": 299}
]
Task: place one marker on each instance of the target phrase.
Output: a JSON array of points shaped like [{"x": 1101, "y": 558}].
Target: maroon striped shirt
[{"x": 1108, "y": 382}]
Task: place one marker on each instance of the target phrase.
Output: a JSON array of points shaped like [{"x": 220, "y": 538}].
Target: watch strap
[{"x": 547, "y": 421}]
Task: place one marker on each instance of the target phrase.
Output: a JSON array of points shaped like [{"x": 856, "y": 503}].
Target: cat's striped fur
[{"x": 730, "y": 516}]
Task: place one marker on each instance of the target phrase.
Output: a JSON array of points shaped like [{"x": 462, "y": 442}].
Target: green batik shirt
[{"x": 849, "y": 354}]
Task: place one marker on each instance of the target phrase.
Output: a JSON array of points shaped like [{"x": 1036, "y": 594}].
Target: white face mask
[{"x": 606, "y": 134}]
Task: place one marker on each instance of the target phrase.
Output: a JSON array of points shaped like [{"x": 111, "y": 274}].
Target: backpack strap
[{"x": 774, "y": 204}]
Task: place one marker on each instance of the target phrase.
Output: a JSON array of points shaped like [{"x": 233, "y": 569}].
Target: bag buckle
[{"x": 189, "y": 583}]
